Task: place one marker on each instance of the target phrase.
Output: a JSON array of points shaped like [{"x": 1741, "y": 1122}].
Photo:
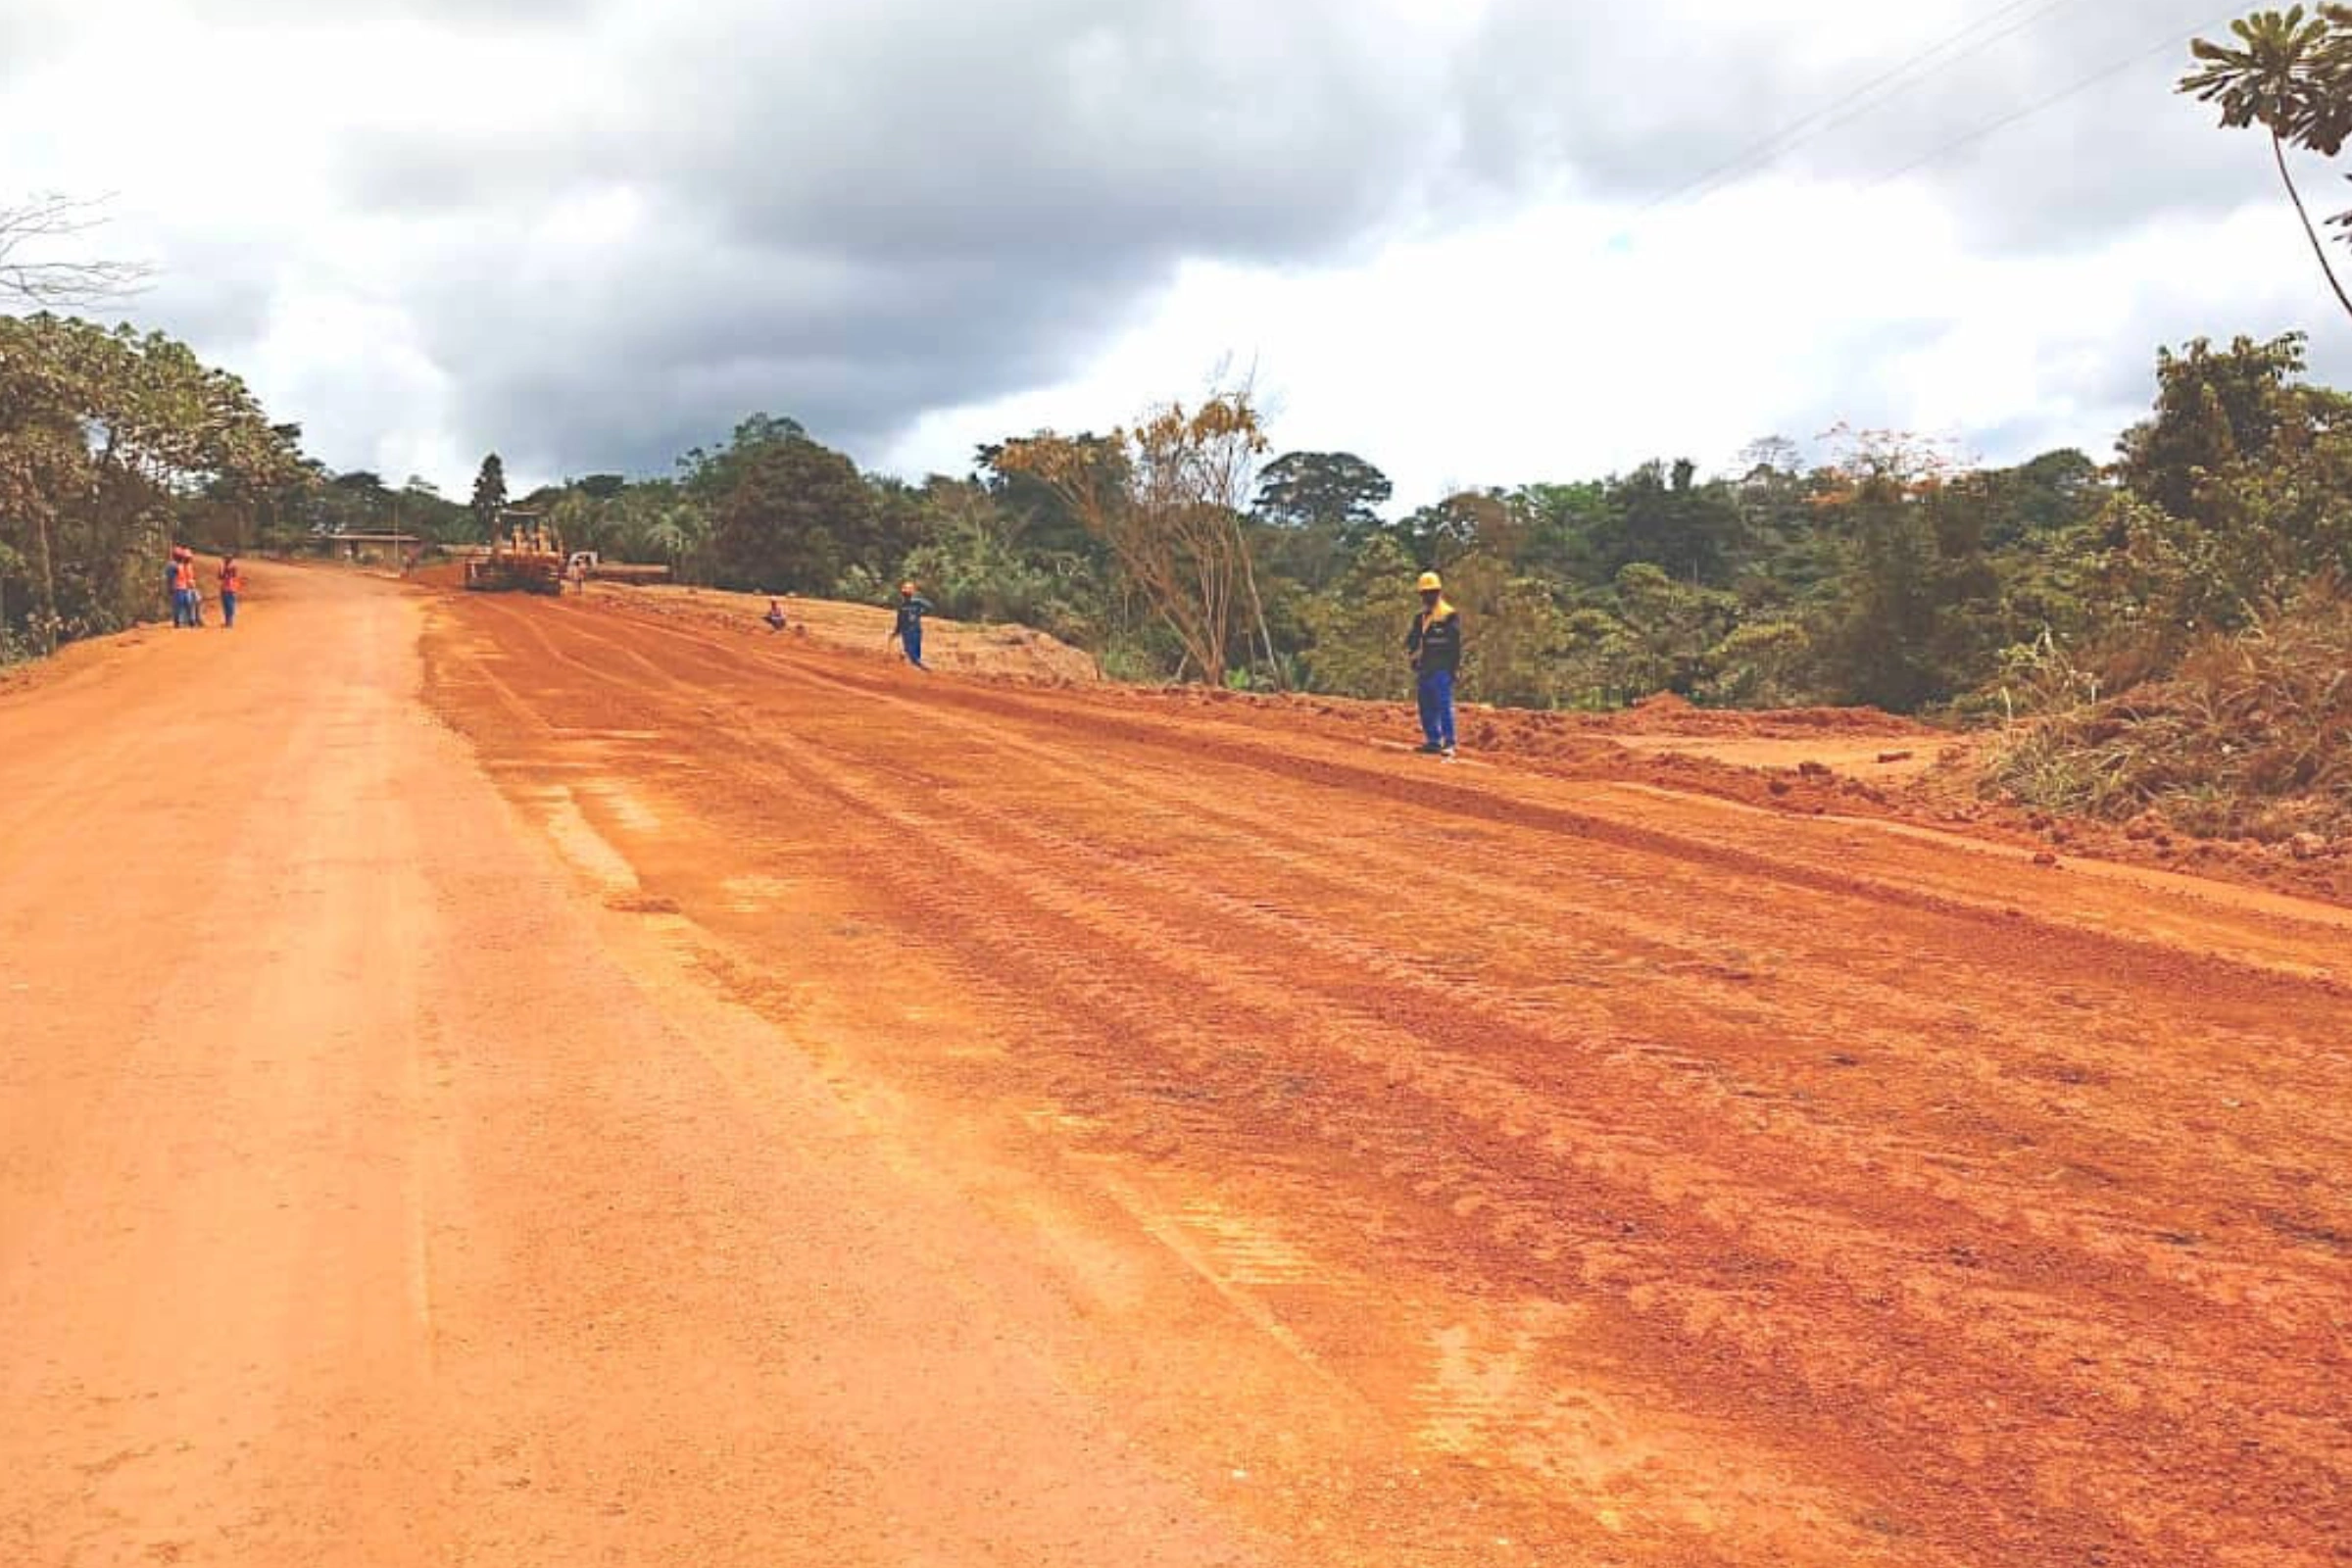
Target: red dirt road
[{"x": 733, "y": 1101}]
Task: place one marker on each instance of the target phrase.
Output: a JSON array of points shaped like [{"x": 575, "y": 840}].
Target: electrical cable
[
  {"x": 1819, "y": 123},
  {"x": 2028, "y": 111}
]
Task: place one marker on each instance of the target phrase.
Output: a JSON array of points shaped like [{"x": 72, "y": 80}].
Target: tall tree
[
  {"x": 1167, "y": 497},
  {"x": 2290, "y": 73},
  {"x": 2238, "y": 492},
  {"x": 1334, "y": 489},
  {"x": 709, "y": 474},
  {"x": 2213, "y": 407},
  {"x": 792, "y": 517},
  {"x": 489, "y": 495},
  {"x": 107, "y": 440},
  {"x": 1662, "y": 514}
]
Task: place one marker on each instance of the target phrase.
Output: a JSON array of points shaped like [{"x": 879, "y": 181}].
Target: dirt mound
[
  {"x": 2250, "y": 738},
  {"x": 1803, "y": 762},
  {"x": 1017, "y": 653},
  {"x": 1816, "y": 763},
  {"x": 440, "y": 575},
  {"x": 1667, "y": 714},
  {"x": 2238, "y": 763}
]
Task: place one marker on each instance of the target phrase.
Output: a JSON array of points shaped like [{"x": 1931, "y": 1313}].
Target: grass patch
[{"x": 2250, "y": 737}]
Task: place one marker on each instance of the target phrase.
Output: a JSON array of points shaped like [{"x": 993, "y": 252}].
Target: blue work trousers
[{"x": 1437, "y": 706}]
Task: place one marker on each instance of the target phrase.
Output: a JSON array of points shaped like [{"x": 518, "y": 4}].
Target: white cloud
[
  {"x": 593, "y": 233},
  {"x": 1537, "y": 349}
]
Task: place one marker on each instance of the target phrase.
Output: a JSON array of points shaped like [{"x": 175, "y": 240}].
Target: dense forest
[{"x": 1887, "y": 574}]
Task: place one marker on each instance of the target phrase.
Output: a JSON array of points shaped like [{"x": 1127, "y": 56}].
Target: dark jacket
[
  {"x": 1436, "y": 640},
  {"x": 910, "y": 615}
]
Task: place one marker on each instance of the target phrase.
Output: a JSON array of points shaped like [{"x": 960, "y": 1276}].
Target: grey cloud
[
  {"x": 2106, "y": 376},
  {"x": 221, "y": 308},
  {"x": 642, "y": 351},
  {"x": 1645, "y": 103},
  {"x": 332, "y": 14},
  {"x": 869, "y": 213},
  {"x": 866, "y": 210}
]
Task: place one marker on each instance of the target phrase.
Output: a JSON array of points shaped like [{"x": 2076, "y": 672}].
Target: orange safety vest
[
  {"x": 186, "y": 576},
  {"x": 232, "y": 581}
]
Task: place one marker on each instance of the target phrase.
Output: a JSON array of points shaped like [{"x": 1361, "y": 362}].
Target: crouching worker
[
  {"x": 908, "y": 632},
  {"x": 775, "y": 615},
  {"x": 1435, "y": 646}
]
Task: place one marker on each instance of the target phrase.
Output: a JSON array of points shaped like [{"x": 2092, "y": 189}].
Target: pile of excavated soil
[
  {"x": 1814, "y": 761},
  {"x": 1012, "y": 651},
  {"x": 1800, "y": 762},
  {"x": 1669, "y": 715}
]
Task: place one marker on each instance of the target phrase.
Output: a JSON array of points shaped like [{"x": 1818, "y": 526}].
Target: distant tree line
[{"x": 1886, "y": 571}]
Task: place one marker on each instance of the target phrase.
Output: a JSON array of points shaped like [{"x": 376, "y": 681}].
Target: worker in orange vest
[
  {"x": 183, "y": 589},
  {"x": 233, "y": 585}
]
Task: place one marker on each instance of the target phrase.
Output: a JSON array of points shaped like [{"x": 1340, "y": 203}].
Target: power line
[
  {"x": 1818, "y": 123},
  {"x": 2041, "y": 104}
]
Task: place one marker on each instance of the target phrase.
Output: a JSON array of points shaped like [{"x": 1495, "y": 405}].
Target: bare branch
[{"x": 29, "y": 277}]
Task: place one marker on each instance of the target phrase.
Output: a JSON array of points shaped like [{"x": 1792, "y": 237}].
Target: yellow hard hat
[{"x": 1429, "y": 583}]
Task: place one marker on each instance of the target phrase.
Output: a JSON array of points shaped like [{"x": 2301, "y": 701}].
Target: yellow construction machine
[{"x": 524, "y": 556}]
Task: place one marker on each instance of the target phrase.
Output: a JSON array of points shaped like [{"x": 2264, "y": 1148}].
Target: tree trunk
[
  {"x": 1258, "y": 608},
  {"x": 2278, "y": 152},
  {"x": 48, "y": 611}
]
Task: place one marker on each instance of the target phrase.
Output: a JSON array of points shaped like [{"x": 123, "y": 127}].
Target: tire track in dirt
[
  {"x": 1882, "y": 1001},
  {"x": 1695, "y": 968},
  {"x": 1092, "y": 948},
  {"x": 1183, "y": 1088},
  {"x": 1974, "y": 1316},
  {"x": 1986, "y": 1249},
  {"x": 1111, "y": 716}
]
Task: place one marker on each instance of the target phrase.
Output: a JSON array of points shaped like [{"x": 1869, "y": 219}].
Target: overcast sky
[{"x": 1459, "y": 237}]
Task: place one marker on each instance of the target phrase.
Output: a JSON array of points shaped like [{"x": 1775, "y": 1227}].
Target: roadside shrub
[{"x": 2249, "y": 737}]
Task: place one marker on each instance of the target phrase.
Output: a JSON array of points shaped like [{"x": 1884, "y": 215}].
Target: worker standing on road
[
  {"x": 233, "y": 586},
  {"x": 1435, "y": 646},
  {"x": 179, "y": 609},
  {"x": 183, "y": 588},
  {"x": 912, "y": 607}
]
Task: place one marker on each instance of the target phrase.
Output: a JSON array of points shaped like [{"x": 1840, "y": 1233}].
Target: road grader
[{"x": 524, "y": 556}]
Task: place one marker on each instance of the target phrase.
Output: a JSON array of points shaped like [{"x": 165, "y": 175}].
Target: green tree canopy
[
  {"x": 1337, "y": 490},
  {"x": 489, "y": 496}
]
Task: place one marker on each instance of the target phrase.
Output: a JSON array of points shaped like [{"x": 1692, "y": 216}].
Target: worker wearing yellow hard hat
[
  {"x": 912, "y": 606},
  {"x": 1435, "y": 646}
]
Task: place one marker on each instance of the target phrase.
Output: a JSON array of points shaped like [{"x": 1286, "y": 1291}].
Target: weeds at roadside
[{"x": 2250, "y": 737}]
